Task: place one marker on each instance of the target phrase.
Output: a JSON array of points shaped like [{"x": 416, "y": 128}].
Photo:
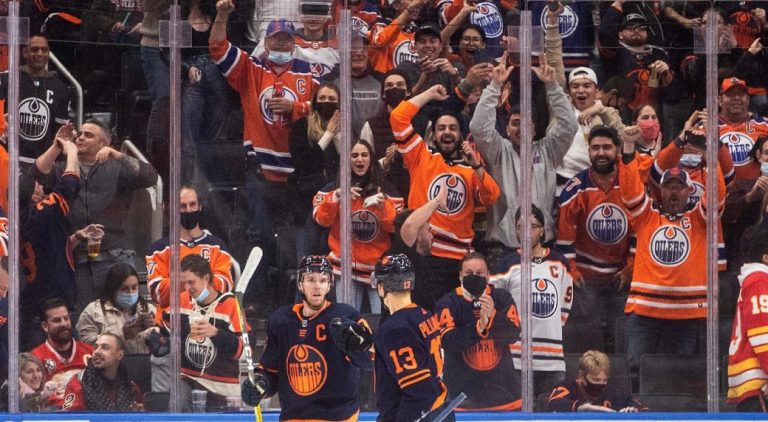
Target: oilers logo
[
  {"x": 567, "y": 22},
  {"x": 405, "y": 52},
  {"x": 319, "y": 69},
  {"x": 306, "y": 368},
  {"x": 739, "y": 144},
  {"x": 483, "y": 355},
  {"x": 34, "y": 116},
  {"x": 200, "y": 351},
  {"x": 544, "y": 298},
  {"x": 457, "y": 192},
  {"x": 359, "y": 26},
  {"x": 669, "y": 245},
  {"x": 695, "y": 193},
  {"x": 488, "y": 18},
  {"x": 607, "y": 224},
  {"x": 270, "y": 117},
  {"x": 365, "y": 225}
]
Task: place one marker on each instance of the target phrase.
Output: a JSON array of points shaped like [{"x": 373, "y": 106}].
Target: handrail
[
  {"x": 155, "y": 192},
  {"x": 61, "y": 68}
]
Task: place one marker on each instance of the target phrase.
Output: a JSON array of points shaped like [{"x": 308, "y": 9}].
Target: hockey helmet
[
  {"x": 314, "y": 264},
  {"x": 394, "y": 273}
]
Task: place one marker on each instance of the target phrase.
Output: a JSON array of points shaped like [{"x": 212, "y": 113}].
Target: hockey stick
[
  {"x": 254, "y": 258},
  {"x": 452, "y": 405}
]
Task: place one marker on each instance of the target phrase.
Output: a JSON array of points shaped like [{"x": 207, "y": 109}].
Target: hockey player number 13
[{"x": 404, "y": 359}]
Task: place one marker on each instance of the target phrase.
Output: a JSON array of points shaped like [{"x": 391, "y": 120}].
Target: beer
[
  {"x": 277, "y": 92},
  {"x": 94, "y": 241}
]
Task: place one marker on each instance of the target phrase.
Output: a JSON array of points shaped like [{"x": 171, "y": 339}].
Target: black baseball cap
[
  {"x": 633, "y": 19},
  {"x": 426, "y": 30}
]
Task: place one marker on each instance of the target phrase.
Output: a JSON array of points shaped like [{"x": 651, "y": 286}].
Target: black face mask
[
  {"x": 593, "y": 390},
  {"x": 474, "y": 284},
  {"x": 394, "y": 96},
  {"x": 326, "y": 110},
  {"x": 190, "y": 220}
]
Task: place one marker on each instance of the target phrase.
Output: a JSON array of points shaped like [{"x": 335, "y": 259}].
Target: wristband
[{"x": 476, "y": 167}]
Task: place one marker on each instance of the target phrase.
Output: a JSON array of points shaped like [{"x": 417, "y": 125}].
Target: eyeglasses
[{"x": 475, "y": 40}]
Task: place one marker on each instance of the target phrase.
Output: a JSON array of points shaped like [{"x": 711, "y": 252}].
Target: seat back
[
  {"x": 580, "y": 335},
  {"x": 673, "y": 374},
  {"x": 620, "y": 378},
  {"x": 139, "y": 370}
]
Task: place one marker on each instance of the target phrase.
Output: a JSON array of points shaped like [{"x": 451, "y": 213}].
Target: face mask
[
  {"x": 190, "y": 220},
  {"x": 394, "y": 96},
  {"x": 593, "y": 390},
  {"x": 279, "y": 57},
  {"x": 202, "y": 296},
  {"x": 126, "y": 300},
  {"x": 690, "y": 160},
  {"x": 649, "y": 129},
  {"x": 474, "y": 284},
  {"x": 326, "y": 110},
  {"x": 764, "y": 169}
]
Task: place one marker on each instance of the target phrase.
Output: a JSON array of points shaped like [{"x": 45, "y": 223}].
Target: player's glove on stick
[
  {"x": 253, "y": 393},
  {"x": 349, "y": 336}
]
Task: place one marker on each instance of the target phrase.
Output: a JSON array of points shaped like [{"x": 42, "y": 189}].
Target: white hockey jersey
[{"x": 551, "y": 298}]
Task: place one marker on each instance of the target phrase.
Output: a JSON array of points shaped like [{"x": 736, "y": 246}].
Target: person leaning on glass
[{"x": 34, "y": 390}]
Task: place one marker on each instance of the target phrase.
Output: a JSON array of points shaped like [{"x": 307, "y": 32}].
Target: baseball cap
[
  {"x": 582, "y": 73},
  {"x": 676, "y": 173},
  {"x": 426, "y": 30},
  {"x": 280, "y": 25},
  {"x": 602, "y": 130},
  {"x": 633, "y": 19},
  {"x": 729, "y": 83}
]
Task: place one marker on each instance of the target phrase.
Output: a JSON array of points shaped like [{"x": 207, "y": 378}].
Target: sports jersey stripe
[
  {"x": 409, "y": 145},
  {"x": 745, "y": 365},
  {"x": 402, "y": 134},
  {"x": 748, "y": 387},
  {"x": 587, "y": 258},
  {"x": 416, "y": 374},
  {"x": 761, "y": 349},
  {"x": 440, "y": 237},
  {"x": 603, "y": 270},
  {"x": 661, "y": 296},
  {"x": 448, "y": 235},
  {"x": 229, "y": 60},
  {"x": 669, "y": 288},
  {"x": 666, "y": 305},
  {"x": 757, "y": 331},
  {"x": 751, "y": 374}
]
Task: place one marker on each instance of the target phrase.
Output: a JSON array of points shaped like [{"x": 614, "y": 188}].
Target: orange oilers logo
[
  {"x": 669, "y": 245},
  {"x": 607, "y": 224},
  {"x": 307, "y": 369},
  {"x": 482, "y": 356},
  {"x": 266, "y": 113},
  {"x": 457, "y": 192},
  {"x": 365, "y": 225},
  {"x": 740, "y": 145},
  {"x": 544, "y": 298},
  {"x": 405, "y": 52}
]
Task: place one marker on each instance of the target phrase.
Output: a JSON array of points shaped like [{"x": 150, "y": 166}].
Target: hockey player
[
  {"x": 479, "y": 324},
  {"x": 409, "y": 364},
  {"x": 314, "y": 367},
  {"x": 552, "y": 295},
  {"x": 667, "y": 301}
]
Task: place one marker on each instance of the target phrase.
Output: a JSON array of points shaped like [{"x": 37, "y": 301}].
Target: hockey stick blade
[
  {"x": 254, "y": 258},
  {"x": 450, "y": 408}
]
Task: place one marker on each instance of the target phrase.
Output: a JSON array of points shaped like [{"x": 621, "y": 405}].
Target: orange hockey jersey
[
  {"x": 593, "y": 227},
  {"x": 208, "y": 246},
  {"x": 452, "y": 228},
  {"x": 372, "y": 229},
  {"x": 390, "y": 46},
  {"x": 266, "y": 133},
  {"x": 747, "y": 354},
  {"x": 740, "y": 139},
  {"x": 670, "y": 269}
]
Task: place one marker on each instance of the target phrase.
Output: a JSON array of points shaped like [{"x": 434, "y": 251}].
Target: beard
[{"x": 604, "y": 168}]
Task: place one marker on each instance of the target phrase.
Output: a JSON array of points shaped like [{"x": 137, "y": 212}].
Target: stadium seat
[
  {"x": 155, "y": 401},
  {"x": 657, "y": 402},
  {"x": 580, "y": 335},
  {"x": 620, "y": 379},
  {"x": 222, "y": 161},
  {"x": 672, "y": 374},
  {"x": 139, "y": 370}
]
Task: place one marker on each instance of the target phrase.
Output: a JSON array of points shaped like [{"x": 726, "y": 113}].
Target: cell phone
[
  {"x": 481, "y": 56},
  {"x": 315, "y": 9},
  {"x": 696, "y": 140}
]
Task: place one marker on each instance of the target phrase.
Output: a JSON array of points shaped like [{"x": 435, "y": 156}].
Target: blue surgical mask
[
  {"x": 279, "y": 57},
  {"x": 126, "y": 300},
  {"x": 690, "y": 160},
  {"x": 764, "y": 168},
  {"x": 203, "y": 295}
]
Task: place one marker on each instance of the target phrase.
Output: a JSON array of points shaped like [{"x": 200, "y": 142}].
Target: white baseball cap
[{"x": 582, "y": 73}]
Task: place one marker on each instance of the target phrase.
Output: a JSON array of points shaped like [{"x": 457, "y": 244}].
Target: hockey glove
[
  {"x": 253, "y": 393},
  {"x": 350, "y": 336}
]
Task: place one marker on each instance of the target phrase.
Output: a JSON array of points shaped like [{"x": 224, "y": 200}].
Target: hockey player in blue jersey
[
  {"x": 409, "y": 364},
  {"x": 312, "y": 358}
]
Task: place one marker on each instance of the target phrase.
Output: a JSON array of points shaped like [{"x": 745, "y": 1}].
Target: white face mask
[
  {"x": 279, "y": 57},
  {"x": 690, "y": 160}
]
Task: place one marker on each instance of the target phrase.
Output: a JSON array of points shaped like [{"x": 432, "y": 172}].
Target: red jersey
[
  {"x": 669, "y": 280},
  {"x": 391, "y": 46},
  {"x": 451, "y": 228},
  {"x": 208, "y": 246},
  {"x": 266, "y": 133},
  {"x": 740, "y": 139},
  {"x": 593, "y": 227},
  {"x": 74, "y": 397},
  {"x": 372, "y": 230},
  {"x": 748, "y": 352},
  {"x": 60, "y": 369}
]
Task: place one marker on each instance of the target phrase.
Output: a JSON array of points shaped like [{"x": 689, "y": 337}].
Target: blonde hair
[
  {"x": 26, "y": 357},
  {"x": 316, "y": 125},
  {"x": 593, "y": 362}
]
